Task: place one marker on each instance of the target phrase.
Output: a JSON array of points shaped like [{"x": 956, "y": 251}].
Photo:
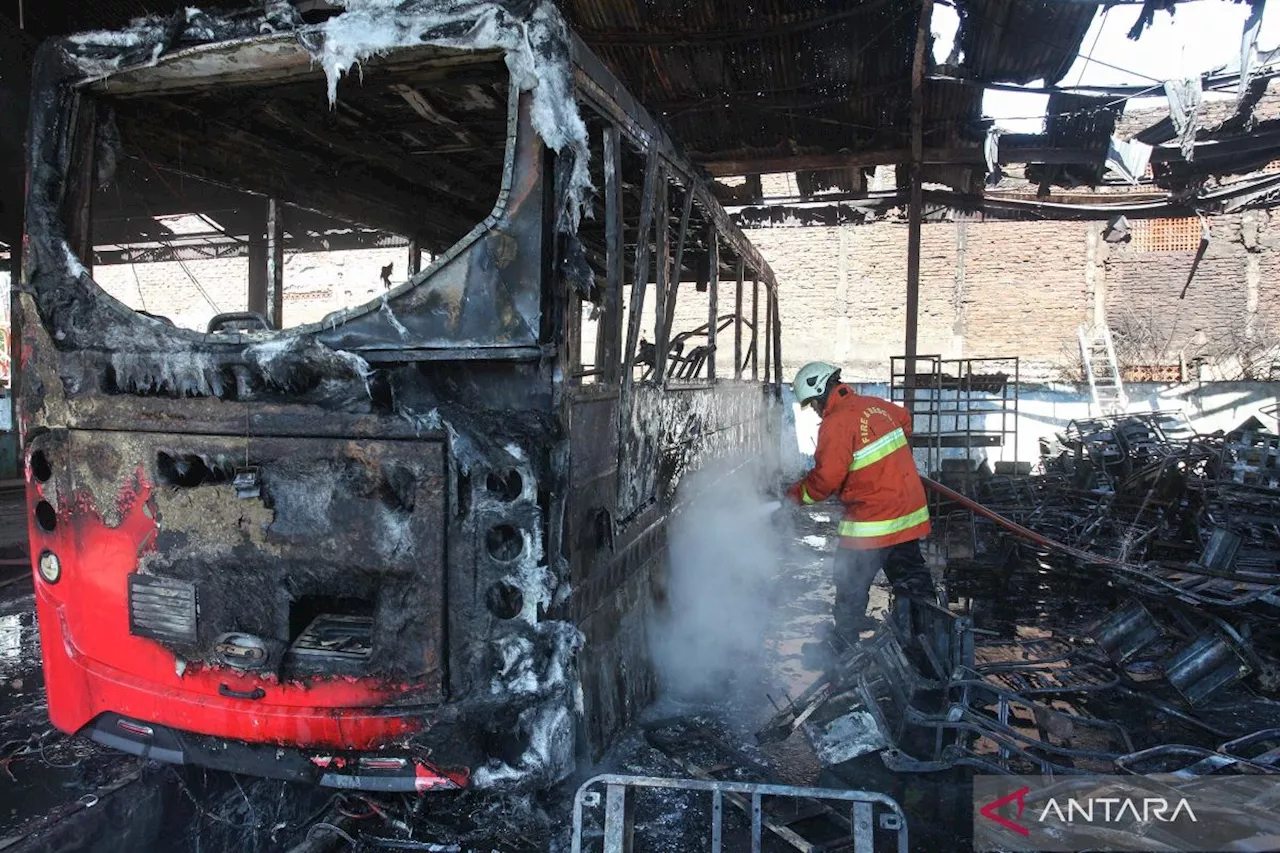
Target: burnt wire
[
  {"x": 331, "y": 828},
  {"x": 309, "y": 820},
  {"x": 373, "y": 810},
  {"x": 253, "y": 813},
  {"x": 45, "y": 758},
  {"x": 1088, "y": 57},
  {"x": 200, "y": 808}
]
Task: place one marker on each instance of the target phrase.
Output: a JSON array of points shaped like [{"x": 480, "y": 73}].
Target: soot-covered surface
[
  {"x": 717, "y": 734},
  {"x": 221, "y": 813},
  {"x": 222, "y": 808}
]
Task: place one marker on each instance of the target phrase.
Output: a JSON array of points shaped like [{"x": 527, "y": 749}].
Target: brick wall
[
  {"x": 192, "y": 292},
  {"x": 1015, "y": 288},
  {"x": 987, "y": 289}
]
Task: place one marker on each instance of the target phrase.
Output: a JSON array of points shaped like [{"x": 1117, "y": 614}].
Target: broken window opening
[
  {"x": 710, "y": 335},
  {"x": 639, "y": 175},
  {"x": 653, "y": 341},
  {"x": 688, "y": 351},
  {"x": 254, "y": 198},
  {"x": 713, "y": 305}
]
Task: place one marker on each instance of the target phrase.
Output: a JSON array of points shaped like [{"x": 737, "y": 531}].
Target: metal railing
[{"x": 748, "y": 797}]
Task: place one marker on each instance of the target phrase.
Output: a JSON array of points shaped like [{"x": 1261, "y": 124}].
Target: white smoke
[{"x": 726, "y": 553}]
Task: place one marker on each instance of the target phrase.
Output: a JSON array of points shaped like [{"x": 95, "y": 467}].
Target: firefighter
[{"x": 864, "y": 458}]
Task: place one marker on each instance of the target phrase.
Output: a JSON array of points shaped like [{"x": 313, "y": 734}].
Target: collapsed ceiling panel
[{"x": 1015, "y": 41}]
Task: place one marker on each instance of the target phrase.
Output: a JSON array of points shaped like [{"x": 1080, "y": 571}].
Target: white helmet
[{"x": 811, "y": 380}]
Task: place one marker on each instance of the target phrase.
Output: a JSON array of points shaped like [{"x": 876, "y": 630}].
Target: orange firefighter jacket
[{"x": 864, "y": 457}]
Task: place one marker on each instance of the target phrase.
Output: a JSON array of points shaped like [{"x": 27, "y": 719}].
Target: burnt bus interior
[
  {"x": 427, "y": 492},
  {"x": 414, "y": 159}
]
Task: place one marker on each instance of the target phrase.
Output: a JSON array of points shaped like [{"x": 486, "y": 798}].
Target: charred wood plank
[
  {"x": 291, "y": 65},
  {"x": 211, "y": 416}
]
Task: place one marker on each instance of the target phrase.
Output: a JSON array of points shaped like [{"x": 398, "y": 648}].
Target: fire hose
[
  {"x": 1144, "y": 575},
  {"x": 1024, "y": 532}
]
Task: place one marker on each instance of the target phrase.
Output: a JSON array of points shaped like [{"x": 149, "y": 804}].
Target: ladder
[{"x": 1098, "y": 353}]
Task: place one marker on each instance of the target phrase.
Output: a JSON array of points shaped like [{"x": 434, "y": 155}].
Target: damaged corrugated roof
[
  {"x": 779, "y": 83},
  {"x": 1016, "y": 41},
  {"x": 817, "y": 87},
  {"x": 745, "y": 89}
]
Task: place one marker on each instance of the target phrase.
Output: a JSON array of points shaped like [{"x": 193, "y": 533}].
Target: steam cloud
[{"x": 725, "y": 554}]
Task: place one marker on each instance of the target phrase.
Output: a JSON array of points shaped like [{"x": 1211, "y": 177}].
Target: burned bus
[{"x": 413, "y": 544}]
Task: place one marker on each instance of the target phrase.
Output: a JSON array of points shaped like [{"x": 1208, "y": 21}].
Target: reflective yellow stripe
[
  {"x": 878, "y": 449},
  {"x": 861, "y": 529},
  {"x": 804, "y": 496}
]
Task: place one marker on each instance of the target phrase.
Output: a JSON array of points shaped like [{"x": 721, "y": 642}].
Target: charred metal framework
[
  {"x": 415, "y": 545},
  {"x": 1183, "y": 526}
]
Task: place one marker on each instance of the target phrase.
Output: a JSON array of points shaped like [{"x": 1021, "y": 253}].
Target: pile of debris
[{"x": 1173, "y": 537}]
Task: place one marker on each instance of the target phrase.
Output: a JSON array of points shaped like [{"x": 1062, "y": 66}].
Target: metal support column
[
  {"x": 257, "y": 297},
  {"x": 677, "y": 272},
  {"x": 275, "y": 263},
  {"x": 713, "y": 290},
  {"x": 767, "y": 337},
  {"x": 737, "y": 321},
  {"x": 777, "y": 337},
  {"x": 755, "y": 329},
  {"x": 415, "y": 257}
]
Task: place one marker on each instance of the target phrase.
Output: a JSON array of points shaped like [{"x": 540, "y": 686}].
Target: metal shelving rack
[{"x": 965, "y": 408}]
